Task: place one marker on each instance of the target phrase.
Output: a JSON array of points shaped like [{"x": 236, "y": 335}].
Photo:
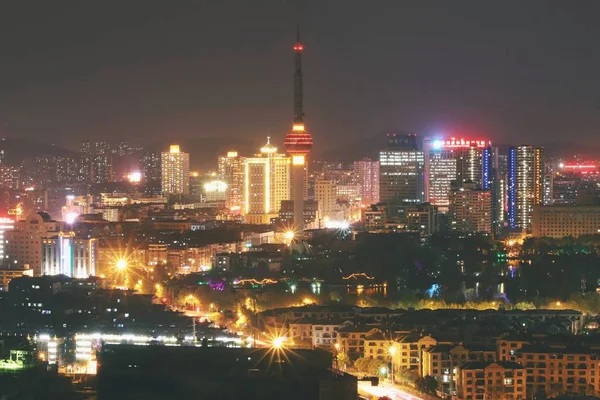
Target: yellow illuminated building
[
  {"x": 266, "y": 184},
  {"x": 231, "y": 170},
  {"x": 175, "y": 171}
]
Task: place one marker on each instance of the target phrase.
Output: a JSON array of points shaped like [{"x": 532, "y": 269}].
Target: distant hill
[{"x": 16, "y": 150}]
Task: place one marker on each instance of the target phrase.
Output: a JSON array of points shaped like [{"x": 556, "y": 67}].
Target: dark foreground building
[{"x": 161, "y": 372}]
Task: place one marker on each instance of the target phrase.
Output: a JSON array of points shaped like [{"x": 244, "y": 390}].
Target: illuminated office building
[
  {"x": 68, "y": 255},
  {"x": 266, "y": 184},
  {"x": 231, "y": 171},
  {"x": 175, "y": 166},
  {"x": 367, "y": 173},
  {"x": 440, "y": 175},
  {"x": 23, "y": 244},
  {"x": 559, "y": 221},
  {"x": 401, "y": 169},
  {"x": 6, "y": 224},
  {"x": 451, "y": 160},
  {"x": 215, "y": 191},
  {"x": 326, "y": 196},
  {"x": 470, "y": 209},
  {"x": 525, "y": 184}
]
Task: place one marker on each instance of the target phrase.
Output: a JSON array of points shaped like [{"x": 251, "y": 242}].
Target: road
[{"x": 385, "y": 389}]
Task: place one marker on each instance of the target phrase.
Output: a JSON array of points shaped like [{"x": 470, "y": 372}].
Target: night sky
[{"x": 512, "y": 71}]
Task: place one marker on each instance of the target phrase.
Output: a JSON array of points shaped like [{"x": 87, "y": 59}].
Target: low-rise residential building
[
  {"x": 559, "y": 371},
  {"x": 316, "y": 332},
  {"x": 442, "y": 361},
  {"x": 377, "y": 346},
  {"x": 352, "y": 338},
  {"x": 410, "y": 348},
  {"x": 499, "y": 380}
]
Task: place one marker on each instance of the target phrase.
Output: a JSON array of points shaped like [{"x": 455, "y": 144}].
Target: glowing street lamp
[
  {"x": 121, "y": 264},
  {"x": 392, "y": 351},
  {"x": 278, "y": 342}
]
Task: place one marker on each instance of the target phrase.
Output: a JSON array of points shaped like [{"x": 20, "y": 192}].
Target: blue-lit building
[
  {"x": 525, "y": 184},
  {"x": 492, "y": 180}
]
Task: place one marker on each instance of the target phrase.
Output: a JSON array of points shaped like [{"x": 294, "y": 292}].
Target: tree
[
  {"x": 375, "y": 366},
  {"x": 342, "y": 359},
  {"x": 362, "y": 364},
  {"x": 427, "y": 384}
]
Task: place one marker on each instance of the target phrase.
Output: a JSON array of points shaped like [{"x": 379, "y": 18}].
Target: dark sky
[{"x": 514, "y": 71}]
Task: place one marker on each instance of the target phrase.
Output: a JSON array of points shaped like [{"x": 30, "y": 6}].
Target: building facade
[
  {"x": 565, "y": 220},
  {"x": 367, "y": 173},
  {"x": 175, "y": 170},
  {"x": 23, "y": 244},
  {"x": 525, "y": 184},
  {"x": 266, "y": 184},
  {"x": 231, "y": 170},
  {"x": 326, "y": 196},
  {"x": 470, "y": 209},
  {"x": 68, "y": 255},
  {"x": 401, "y": 171},
  {"x": 500, "y": 380}
]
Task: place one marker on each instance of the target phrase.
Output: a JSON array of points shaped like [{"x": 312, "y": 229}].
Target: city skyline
[
  {"x": 309, "y": 199},
  {"x": 190, "y": 86}
]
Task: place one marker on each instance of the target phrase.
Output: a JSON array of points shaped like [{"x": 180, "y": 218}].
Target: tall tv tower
[{"x": 298, "y": 142}]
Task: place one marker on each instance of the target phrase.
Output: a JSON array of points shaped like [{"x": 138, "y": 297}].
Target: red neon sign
[
  {"x": 454, "y": 143},
  {"x": 580, "y": 166}
]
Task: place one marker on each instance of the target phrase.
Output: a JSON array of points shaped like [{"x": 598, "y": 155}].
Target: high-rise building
[
  {"x": 68, "y": 255},
  {"x": 450, "y": 160},
  {"x": 401, "y": 169},
  {"x": 492, "y": 181},
  {"x": 440, "y": 173},
  {"x": 326, "y": 196},
  {"x": 367, "y": 174},
  {"x": 231, "y": 170},
  {"x": 298, "y": 143},
  {"x": 98, "y": 156},
  {"x": 150, "y": 166},
  {"x": 266, "y": 184},
  {"x": 6, "y": 224},
  {"x": 175, "y": 166},
  {"x": 23, "y": 244},
  {"x": 525, "y": 184},
  {"x": 470, "y": 209}
]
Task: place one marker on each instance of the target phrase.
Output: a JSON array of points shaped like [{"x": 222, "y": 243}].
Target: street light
[
  {"x": 121, "y": 264},
  {"x": 289, "y": 235},
  {"x": 278, "y": 342},
  {"x": 392, "y": 351}
]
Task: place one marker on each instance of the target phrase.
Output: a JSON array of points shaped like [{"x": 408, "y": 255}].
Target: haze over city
[{"x": 198, "y": 69}]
